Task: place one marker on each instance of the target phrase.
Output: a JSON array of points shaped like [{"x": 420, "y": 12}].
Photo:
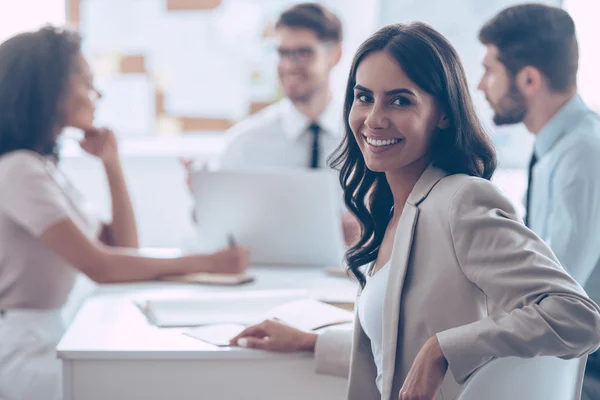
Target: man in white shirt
[
  {"x": 304, "y": 128},
  {"x": 308, "y": 39},
  {"x": 531, "y": 77}
]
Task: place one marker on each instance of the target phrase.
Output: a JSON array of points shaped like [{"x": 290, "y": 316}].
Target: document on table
[
  {"x": 293, "y": 307},
  {"x": 304, "y": 314},
  {"x": 310, "y": 314},
  {"x": 211, "y": 279},
  {"x": 218, "y": 335},
  {"x": 244, "y": 307}
]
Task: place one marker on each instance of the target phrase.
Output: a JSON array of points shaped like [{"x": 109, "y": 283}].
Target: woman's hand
[
  {"x": 426, "y": 374},
  {"x": 101, "y": 143},
  {"x": 273, "y": 335},
  {"x": 233, "y": 260}
]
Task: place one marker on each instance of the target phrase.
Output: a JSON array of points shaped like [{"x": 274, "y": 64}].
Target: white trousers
[{"x": 29, "y": 368}]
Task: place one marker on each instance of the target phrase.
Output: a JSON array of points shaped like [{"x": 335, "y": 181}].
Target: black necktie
[
  {"x": 314, "y": 149},
  {"x": 529, "y": 181}
]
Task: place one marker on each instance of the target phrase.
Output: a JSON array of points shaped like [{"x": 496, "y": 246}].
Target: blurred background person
[
  {"x": 47, "y": 231},
  {"x": 304, "y": 128},
  {"x": 531, "y": 78}
]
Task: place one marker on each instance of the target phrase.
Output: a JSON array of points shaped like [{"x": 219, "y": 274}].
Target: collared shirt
[
  {"x": 278, "y": 137},
  {"x": 565, "y": 192}
]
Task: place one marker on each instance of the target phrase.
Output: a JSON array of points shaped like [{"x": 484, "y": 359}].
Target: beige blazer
[{"x": 466, "y": 269}]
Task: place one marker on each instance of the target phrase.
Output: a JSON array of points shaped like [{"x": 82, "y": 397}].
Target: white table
[{"x": 111, "y": 352}]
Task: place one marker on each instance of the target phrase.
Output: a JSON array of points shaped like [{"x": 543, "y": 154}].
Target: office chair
[{"x": 538, "y": 378}]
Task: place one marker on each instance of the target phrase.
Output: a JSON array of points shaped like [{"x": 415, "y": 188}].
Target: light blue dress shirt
[{"x": 565, "y": 192}]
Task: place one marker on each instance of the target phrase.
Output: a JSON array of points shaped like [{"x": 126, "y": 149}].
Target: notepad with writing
[{"x": 211, "y": 279}]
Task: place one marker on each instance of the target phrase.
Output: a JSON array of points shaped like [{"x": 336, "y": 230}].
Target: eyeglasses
[{"x": 301, "y": 55}]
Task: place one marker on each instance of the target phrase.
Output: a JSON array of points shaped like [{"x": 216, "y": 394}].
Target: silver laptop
[{"x": 289, "y": 217}]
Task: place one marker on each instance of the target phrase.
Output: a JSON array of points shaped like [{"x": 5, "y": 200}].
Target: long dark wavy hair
[
  {"x": 34, "y": 72},
  {"x": 430, "y": 61}
]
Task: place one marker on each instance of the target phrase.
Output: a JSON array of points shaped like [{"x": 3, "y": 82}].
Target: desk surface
[{"x": 109, "y": 325}]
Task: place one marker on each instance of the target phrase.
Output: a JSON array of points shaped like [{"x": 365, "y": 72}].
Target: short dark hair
[
  {"x": 34, "y": 72},
  {"x": 430, "y": 61},
  {"x": 325, "y": 24},
  {"x": 537, "y": 35}
]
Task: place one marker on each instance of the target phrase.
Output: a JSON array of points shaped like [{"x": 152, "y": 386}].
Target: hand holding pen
[
  {"x": 231, "y": 241},
  {"x": 233, "y": 260}
]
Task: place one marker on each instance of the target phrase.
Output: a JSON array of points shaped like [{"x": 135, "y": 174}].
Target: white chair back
[{"x": 537, "y": 378}]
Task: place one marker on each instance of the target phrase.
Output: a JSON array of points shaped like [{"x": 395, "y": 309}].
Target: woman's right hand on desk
[
  {"x": 233, "y": 260},
  {"x": 276, "y": 336}
]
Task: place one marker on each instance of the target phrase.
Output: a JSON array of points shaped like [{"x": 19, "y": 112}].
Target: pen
[{"x": 231, "y": 240}]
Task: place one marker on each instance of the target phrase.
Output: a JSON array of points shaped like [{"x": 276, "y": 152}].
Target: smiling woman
[
  {"x": 428, "y": 116},
  {"x": 450, "y": 276}
]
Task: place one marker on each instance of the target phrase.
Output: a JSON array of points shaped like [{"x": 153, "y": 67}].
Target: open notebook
[{"x": 293, "y": 307}]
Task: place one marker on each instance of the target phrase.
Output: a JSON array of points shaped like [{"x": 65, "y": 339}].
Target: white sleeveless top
[{"x": 370, "y": 314}]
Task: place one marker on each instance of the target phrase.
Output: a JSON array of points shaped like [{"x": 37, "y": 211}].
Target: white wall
[
  {"x": 157, "y": 185},
  {"x": 22, "y": 15}
]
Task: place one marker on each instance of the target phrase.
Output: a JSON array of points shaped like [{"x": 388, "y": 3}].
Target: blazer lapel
[
  {"x": 399, "y": 264},
  {"x": 391, "y": 307}
]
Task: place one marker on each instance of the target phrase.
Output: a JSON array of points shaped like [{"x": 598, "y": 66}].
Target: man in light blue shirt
[{"x": 531, "y": 77}]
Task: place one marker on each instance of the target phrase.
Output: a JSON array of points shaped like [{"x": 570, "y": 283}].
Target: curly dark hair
[
  {"x": 34, "y": 72},
  {"x": 431, "y": 62}
]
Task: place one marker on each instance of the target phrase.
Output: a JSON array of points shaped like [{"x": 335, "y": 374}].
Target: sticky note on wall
[
  {"x": 73, "y": 8},
  {"x": 132, "y": 64},
  {"x": 182, "y": 5},
  {"x": 190, "y": 124}
]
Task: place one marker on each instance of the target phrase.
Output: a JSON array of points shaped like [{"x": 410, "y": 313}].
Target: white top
[
  {"x": 34, "y": 197},
  {"x": 370, "y": 314},
  {"x": 278, "y": 137}
]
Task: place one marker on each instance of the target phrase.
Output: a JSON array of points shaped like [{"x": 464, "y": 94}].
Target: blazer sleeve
[
  {"x": 332, "y": 352},
  {"x": 534, "y": 307}
]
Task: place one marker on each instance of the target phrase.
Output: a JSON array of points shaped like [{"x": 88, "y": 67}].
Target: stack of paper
[
  {"x": 293, "y": 307},
  {"x": 210, "y": 308}
]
